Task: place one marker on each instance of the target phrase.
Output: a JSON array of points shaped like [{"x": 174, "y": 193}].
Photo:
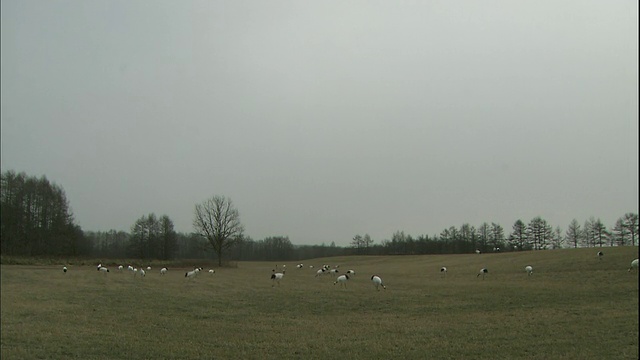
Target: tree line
[
  {"x": 37, "y": 221},
  {"x": 538, "y": 234},
  {"x": 35, "y": 218}
]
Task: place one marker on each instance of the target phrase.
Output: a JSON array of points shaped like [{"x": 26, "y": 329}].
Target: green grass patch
[{"x": 574, "y": 306}]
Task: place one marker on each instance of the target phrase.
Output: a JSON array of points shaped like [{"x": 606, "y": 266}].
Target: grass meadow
[{"x": 574, "y": 306}]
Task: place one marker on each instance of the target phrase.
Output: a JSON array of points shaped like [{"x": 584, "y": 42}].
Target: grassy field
[{"x": 574, "y": 306}]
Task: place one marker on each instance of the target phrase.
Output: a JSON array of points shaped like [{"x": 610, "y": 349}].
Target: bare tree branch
[{"x": 218, "y": 221}]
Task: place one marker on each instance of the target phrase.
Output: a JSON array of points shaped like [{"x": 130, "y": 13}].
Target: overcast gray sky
[{"x": 321, "y": 120}]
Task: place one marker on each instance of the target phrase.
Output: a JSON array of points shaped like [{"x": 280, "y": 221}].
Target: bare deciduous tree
[
  {"x": 497, "y": 235},
  {"x": 539, "y": 233},
  {"x": 557, "y": 240},
  {"x": 484, "y": 234},
  {"x": 600, "y": 233},
  {"x": 367, "y": 241},
  {"x": 518, "y": 237},
  {"x": 619, "y": 234},
  {"x": 357, "y": 242},
  {"x": 168, "y": 238},
  {"x": 631, "y": 224},
  {"x": 218, "y": 221},
  {"x": 574, "y": 233}
]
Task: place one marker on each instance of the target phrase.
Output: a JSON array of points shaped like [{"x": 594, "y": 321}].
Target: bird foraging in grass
[
  {"x": 342, "y": 279},
  {"x": 443, "y": 271},
  {"x": 377, "y": 281},
  {"x": 529, "y": 269},
  {"x": 276, "y": 277}
]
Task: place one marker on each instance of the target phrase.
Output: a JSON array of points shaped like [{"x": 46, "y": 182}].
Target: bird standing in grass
[
  {"x": 342, "y": 279},
  {"x": 276, "y": 277},
  {"x": 482, "y": 272}
]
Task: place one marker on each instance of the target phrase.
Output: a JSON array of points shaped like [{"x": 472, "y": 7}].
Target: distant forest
[{"x": 36, "y": 221}]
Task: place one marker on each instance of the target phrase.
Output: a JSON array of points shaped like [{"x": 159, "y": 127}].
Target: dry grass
[{"x": 574, "y": 306}]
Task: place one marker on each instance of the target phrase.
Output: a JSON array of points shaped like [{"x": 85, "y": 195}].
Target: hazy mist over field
[{"x": 323, "y": 120}]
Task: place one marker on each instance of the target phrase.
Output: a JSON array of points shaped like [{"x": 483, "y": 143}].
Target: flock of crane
[{"x": 341, "y": 279}]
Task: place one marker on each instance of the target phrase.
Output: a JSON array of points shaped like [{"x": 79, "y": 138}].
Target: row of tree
[
  {"x": 35, "y": 218},
  {"x": 536, "y": 235},
  {"x": 36, "y": 221}
]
